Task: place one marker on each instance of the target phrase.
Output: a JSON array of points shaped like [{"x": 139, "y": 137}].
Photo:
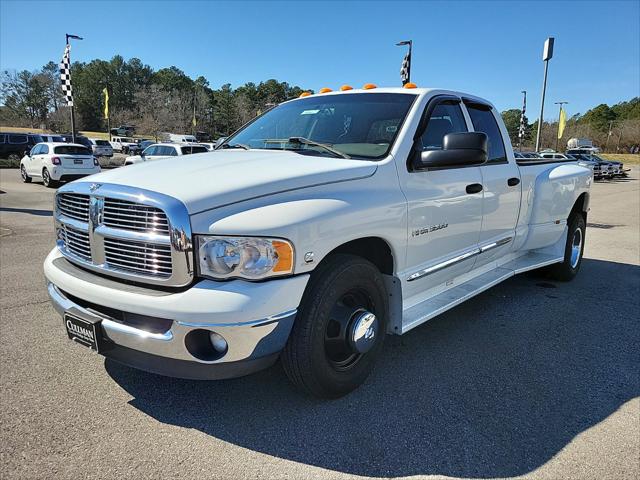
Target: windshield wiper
[
  {"x": 235, "y": 145},
  {"x": 311, "y": 143}
]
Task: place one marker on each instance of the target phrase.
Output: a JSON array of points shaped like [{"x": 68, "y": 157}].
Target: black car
[{"x": 14, "y": 145}]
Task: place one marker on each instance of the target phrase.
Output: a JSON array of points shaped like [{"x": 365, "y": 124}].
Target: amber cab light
[
  {"x": 369, "y": 86},
  {"x": 325, "y": 90},
  {"x": 344, "y": 88},
  {"x": 304, "y": 94},
  {"x": 410, "y": 85}
]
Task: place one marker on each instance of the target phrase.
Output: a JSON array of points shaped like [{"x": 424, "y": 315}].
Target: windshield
[{"x": 356, "y": 125}]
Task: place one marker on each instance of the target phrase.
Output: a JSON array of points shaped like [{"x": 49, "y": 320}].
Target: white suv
[
  {"x": 54, "y": 162},
  {"x": 124, "y": 145},
  {"x": 101, "y": 148},
  {"x": 165, "y": 150}
]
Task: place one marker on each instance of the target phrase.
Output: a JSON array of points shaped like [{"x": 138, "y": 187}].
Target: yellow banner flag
[
  {"x": 106, "y": 102},
  {"x": 562, "y": 122}
]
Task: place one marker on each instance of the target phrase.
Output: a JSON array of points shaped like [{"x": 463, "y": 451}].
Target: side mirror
[{"x": 459, "y": 150}]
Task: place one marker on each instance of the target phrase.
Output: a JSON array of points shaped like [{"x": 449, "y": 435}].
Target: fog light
[{"x": 218, "y": 342}]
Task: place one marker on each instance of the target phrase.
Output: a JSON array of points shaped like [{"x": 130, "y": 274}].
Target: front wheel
[
  {"x": 47, "y": 180},
  {"x": 573, "y": 251},
  {"x": 340, "y": 328},
  {"x": 23, "y": 173}
]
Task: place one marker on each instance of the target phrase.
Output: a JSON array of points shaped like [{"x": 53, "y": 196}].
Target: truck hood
[{"x": 208, "y": 180}]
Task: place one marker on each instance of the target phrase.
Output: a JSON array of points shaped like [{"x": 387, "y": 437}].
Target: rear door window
[
  {"x": 484, "y": 121},
  {"x": 17, "y": 139}
]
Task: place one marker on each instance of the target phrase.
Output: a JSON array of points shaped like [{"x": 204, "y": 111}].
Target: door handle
[
  {"x": 474, "y": 188},
  {"x": 512, "y": 182}
]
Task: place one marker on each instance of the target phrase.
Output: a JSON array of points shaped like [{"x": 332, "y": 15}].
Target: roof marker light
[
  {"x": 346, "y": 87},
  {"x": 325, "y": 90},
  {"x": 410, "y": 85},
  {"x": 304, "y": 94},
  {"x": 369, "y": 86}
]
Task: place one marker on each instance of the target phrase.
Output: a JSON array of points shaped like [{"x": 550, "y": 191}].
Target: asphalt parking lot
[{"x": 532, "y": 378}]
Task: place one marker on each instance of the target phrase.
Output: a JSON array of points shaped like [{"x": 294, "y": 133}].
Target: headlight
[{"x": 244, "y": 257}]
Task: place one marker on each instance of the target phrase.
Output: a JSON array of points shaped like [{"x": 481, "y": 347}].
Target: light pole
[
  {"x": 559, "y": 113},
  {"x": 606, "y": 145},
  {"x": 546, "y": 56},
  {"x": 73, "y": 118}
]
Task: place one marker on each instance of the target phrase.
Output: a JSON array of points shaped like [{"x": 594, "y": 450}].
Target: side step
[{"x": 420, "y": 313}]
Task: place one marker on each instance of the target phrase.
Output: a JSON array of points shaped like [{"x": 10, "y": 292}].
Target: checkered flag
[
  {"x": 405, "y": 69},
  {"x": 523, "y": 126},
  {"x": 65, "y": 76}
]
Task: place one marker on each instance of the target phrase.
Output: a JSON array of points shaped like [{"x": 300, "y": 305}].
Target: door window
[
  {"x": 484, "y": 121},
  {"x": 446, "y": 118},
  {"x": 44, "y": 149},
  {"x": 17, "y": 139},
  {"x": 149, "y": 151},
  {"x": 35, "y": 150}
]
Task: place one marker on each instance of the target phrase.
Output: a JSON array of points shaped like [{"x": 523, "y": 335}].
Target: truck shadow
[{"x": 493, "y": 388}]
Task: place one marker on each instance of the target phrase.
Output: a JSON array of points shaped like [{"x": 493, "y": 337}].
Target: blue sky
[{"x": 492, "y": 49}]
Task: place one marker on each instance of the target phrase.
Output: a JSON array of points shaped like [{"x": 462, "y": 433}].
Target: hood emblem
[{"x": 94, "y": 186}]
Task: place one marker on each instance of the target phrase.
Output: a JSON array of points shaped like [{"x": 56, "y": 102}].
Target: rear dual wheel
[
  {"x": 574, "y": 248},
  {"x": 340, "y": 328}
]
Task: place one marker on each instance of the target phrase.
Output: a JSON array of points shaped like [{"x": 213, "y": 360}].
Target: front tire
[
  {"x": 47, "y": 180},
  {"x": 339, "y": 331},
  {"x": 23, "y": 173},
  {"x": 573, "y": 251}
]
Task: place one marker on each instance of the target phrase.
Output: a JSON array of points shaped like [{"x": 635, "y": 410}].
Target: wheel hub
[
  {"x": 363, "y": 331},
  {"x": 576, "y": 248}
]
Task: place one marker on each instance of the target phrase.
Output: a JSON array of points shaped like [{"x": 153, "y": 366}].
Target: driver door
[
  {"x": 33, "y": 161},
  {"x": 444, "y": 206}
]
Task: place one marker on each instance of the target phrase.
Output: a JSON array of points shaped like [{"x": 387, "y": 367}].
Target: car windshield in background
[
  {"x": 360, "y": 125},
  {"x": 103, "y": 143},
  {"x": 71, "y": 150}
]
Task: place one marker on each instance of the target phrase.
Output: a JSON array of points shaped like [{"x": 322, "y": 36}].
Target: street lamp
[
  {"x": 559, "y": 114},
  {"x": 546, "y": 56},
  {"x": 73, "y": 118}
]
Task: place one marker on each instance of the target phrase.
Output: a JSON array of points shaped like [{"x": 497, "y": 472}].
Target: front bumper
[{"x": 254, "y": 318}]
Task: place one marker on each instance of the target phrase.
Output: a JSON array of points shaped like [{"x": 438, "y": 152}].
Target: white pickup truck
[{"x": 311, "y": 233}]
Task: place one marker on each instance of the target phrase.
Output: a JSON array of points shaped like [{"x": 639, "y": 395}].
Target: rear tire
[
  {"x": 23, "y": 173},
  {"x": 573, "y": 250},
  {"x": 47, "y": 180},
  {"x": 339, "y": 331}
]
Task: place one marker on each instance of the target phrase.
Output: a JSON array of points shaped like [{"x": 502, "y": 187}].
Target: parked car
[
  {"x": 144, "y": 144},
  {"x": 124, "y": 145},
  {"x": 208, "y": 145},
  {"x": 123, "y": 131},
  {"x": 158, "y": 151},
  {"x": 13, "y": 146},
  {"x": 101, "y": 148},
  {"x": 178, "y": 137},
  {"x": 616, "y": 167},
  {"x": 58, "y": 162},
  {"x": 601, "y": 169},
  {"x": 309, "y": 238}
]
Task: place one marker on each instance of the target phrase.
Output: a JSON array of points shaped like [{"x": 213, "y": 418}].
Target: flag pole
[
  {"x": 407, "y": 58},
  {"x": 522, "y": 126},
  {"x": 73, "y": 117},
  {"x": 559, "y": 113}
]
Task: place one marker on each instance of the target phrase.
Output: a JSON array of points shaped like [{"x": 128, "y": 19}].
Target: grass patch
[{"x": 627, "y": 158}]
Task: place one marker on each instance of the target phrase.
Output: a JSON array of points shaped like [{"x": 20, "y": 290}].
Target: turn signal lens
[
  {"x": 346, "y": 87},
  {"x": 369, "y": 86},
  {"x": 325, "y": 90},
  {"x": 410, "y": 85},
  {"x": 304, "y": 94},
  {"x": 284, "y": 251}
]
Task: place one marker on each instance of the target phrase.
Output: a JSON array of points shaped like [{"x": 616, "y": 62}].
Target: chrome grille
[
  {"x": 77, "y": 242},
  {"x": 105, "y": 228},
  {"x": 134, "y": 216},
  {"x": 74, "y": 205},
  {"x": 138, "y": 257}
]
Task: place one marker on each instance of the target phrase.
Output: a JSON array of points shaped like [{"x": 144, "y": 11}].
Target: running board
[{"x": 426, "y": 310}]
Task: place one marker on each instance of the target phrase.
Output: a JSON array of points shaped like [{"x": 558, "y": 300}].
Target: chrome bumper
[{"x": 246, "y": 340}]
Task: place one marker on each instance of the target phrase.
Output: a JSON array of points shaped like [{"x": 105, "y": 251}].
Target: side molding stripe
[{"x": 458, "y": 259}]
